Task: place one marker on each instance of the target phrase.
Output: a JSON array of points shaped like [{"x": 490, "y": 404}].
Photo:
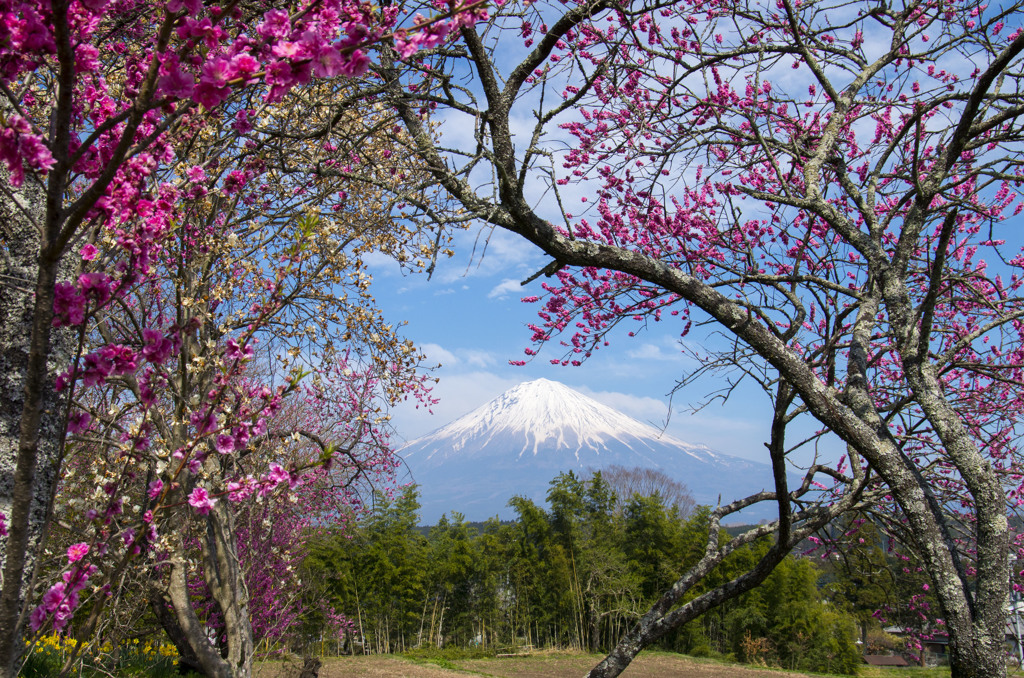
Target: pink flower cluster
[
  {"x": 216, "y": 50},
  {"x": 20, "y": 146},
  {"x": 201, "y": 500},
  {"x": 115, "y": 360},
  {"x": 429, "y": 33},
  {"x": 60, "y": 601}
]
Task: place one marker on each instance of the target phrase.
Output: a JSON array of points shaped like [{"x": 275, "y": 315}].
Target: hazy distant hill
[{"x": 515, "y": 444}]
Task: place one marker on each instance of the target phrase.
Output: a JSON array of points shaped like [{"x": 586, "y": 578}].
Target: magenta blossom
[
  {"x": 77, "y": 551},
  {"x": 201, "y": 501},
  {"x": 78, "y": 422},
  {"x": 157, "y": 347}
]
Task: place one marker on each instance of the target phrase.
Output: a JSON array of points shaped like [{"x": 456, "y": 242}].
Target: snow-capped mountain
[{"x": 517, "y": 443}]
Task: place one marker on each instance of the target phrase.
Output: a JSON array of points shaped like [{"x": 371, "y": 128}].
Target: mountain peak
[
  {"x": 545, "y": 415},
  {"x": 518, "y": 442}
]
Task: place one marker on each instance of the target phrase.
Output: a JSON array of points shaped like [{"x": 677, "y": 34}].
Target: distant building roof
[{"x": 885, "y": 660}]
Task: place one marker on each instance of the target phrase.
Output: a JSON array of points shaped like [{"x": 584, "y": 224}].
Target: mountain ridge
[{"x": 518, "y": 442}]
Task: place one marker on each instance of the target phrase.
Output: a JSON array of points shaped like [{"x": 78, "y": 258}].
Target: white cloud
[
  {"x": 380, "y": 264},
  {"x": 643, "y": 408},
  {"x": 506, "y": 287},
  {"x": 650, "y": 351},
  {"x": 436, "y": 354},
  {"x": 488, "y": 253},
  {"x": 477, "y": 358},
  {"x": 458, "y": 357}
]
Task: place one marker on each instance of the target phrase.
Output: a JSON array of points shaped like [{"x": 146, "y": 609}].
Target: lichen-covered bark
[{"x": 31, "y": 413}]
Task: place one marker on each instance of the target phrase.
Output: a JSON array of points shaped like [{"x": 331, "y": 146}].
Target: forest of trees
[{"x": 578, "y": 573}]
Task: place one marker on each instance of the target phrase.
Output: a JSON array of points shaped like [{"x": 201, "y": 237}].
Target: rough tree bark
[
  {"x": 31, "y": 412},
  {"x": 226, "y": 583}
]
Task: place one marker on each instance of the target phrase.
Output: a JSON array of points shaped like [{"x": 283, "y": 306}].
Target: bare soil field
[{"x": 542, "y": 665}]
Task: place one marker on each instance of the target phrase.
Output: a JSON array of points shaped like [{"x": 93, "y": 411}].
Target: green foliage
[
  {"x": 575, "y": 575},
  {"x": 800, "y": 630},
  {"x": 41, "y": 666}
]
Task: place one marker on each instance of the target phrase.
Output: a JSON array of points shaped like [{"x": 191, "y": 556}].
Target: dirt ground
[{"x": 557, "y": 665}]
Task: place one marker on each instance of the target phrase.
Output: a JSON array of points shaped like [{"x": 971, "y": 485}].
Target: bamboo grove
[{"x": 578, "y": 573}]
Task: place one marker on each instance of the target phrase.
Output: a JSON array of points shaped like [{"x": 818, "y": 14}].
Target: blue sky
[{"x": 469, "y": 317}]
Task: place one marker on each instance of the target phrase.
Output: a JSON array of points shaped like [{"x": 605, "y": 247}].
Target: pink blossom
[
  {"x": 77, "y": 551},
  {"x": 210, "y": 33},
  {"x": 95, "y": 369},
  {"x": 225, "y": 443},
  {"x": 177, "y": 84},
  {"x": 290, "y": 50},
  {"x": 68, "y": 305},
  {"x": 242, "y": 124},
  {"x": 21, "y": 147},
  {"x": 328, "y": 62},
  {"x": 217, "y": 72},
  {"x": 87, "y": 56},
  {"x": 155, "y": 487},
  {"x": 204, "y": 421},
  {"x": 407, "y": 45},
  {"x": 193, "y": 6},
  {"x": 96, "y": 286},
  {"x": 236, "y": 352},
  {"x": 60, "y": 601},
  {"x": 276, "y": 24},
  {"x": 355, "y": 65},
  {"x": 157, "y": 348},
  {"x": 209, "y": 95},
  {"x": 78, "y": 422},
  {"x": 277, "y": 474},
  {"x": 201, "y": 501}
]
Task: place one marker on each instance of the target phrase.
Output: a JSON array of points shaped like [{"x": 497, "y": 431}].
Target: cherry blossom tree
[
  {"x": 831, "y": 186},
  {"x": 94, "y": 97},
  {"x": 260, "y": 255}
]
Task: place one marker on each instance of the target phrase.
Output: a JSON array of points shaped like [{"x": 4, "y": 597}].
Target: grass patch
[
  {"x": 445, "y": 657},
  {"x": 903, "y": 672},
  {"x": 449, "y": 654}
]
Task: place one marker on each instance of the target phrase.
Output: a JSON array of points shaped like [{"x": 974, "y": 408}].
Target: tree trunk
[
  {"x": 31, "y": 412},
  {"x": 161, "y": 607},
  {"x": 227, "y": 587},
  {"x": 226, "y": 580},
  {"x": 980, "y": 657},
  {"x": 595, "y": 631}
]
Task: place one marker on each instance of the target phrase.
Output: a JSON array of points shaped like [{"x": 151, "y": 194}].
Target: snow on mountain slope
[
  {"x": 517, "y": 443},
  {"x": 545, "y": 415}
]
